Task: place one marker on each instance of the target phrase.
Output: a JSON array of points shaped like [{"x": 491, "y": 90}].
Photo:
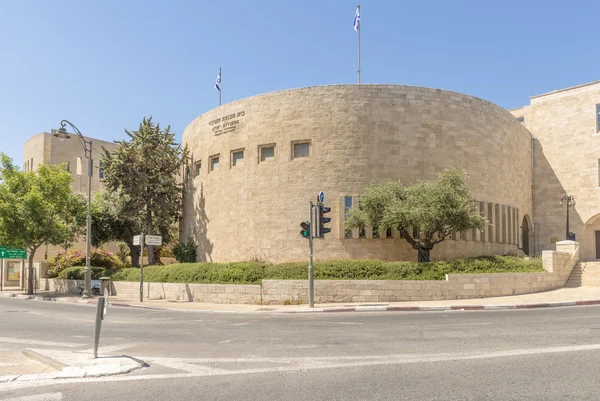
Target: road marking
[
  {"x": 36, "y": 342},
  {"x": 241, "y": 324},
  {"x": 110, "y": 348},
  {"x": 447, "y": 325},
  {"x": 299, "y": 364},
  {"x": 576, "y": 317},
  {"x": 38, "y": 397}
]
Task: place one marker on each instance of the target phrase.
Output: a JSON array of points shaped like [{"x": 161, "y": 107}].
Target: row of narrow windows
[
  {"x": 266, "y": 153},
  {"x": 502, "y": 226}
]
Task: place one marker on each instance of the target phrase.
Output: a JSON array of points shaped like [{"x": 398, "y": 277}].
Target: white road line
[
  {"x": 302, "y": 364},
  {"x": 576, "y": 317},
  {"x": 446, "y": 325},
  {"x": 36, "y": 342},
  {"x": 111, "y": 348},
  {"x": 38, "y": 397}
]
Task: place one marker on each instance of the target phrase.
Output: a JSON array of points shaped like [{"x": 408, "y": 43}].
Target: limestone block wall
[
  {"x": 558, "y": 266},
  {"x": 355, "y": 134},
  {"x": 567, "y": 162}
]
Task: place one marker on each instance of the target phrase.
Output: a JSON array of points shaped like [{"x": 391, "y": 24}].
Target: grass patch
[{"x": 253, "y": 272}]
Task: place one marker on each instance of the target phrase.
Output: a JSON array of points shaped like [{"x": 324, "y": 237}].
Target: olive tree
[{"x": 432, "y": 209}]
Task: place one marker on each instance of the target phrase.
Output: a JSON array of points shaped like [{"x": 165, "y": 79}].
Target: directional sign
[
  {"x": 321, "y": 196},
  {"x": 137, "y": 239},
  {"x": 12, "y": 253},
  {"x": 153, "y": 240}
]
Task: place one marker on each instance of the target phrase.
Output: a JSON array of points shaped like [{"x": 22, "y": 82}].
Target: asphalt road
[{"x": 539, "y": 354}]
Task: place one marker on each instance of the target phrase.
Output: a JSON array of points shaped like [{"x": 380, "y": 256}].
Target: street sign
[
  {"x": 153, "y": 240},
  {"x": 12, "y": 253},
  {"x": 137, "y": 239},
  {"x": 321, "y": 196}
]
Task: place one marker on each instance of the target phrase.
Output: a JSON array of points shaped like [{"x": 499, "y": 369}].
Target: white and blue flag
[
  {"x": 356, "y": 23},
  {"x": 218, "y": 83}
]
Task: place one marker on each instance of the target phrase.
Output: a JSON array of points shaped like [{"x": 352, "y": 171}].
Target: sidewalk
[{"x": 555, "y": 298}]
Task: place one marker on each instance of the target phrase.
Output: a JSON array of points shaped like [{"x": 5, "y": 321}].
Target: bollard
[{"x": 99, "y": 318}]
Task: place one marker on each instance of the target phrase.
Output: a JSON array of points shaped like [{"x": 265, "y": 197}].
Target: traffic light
[
  {"x": 322, "y": 220},
  {"x": 305, "y": 229}
]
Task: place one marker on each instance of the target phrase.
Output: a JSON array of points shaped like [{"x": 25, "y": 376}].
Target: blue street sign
[{"x": 321, "y": 196}]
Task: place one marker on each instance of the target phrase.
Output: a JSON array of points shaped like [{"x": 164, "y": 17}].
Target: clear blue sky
[{"x": 104, "y": 65}]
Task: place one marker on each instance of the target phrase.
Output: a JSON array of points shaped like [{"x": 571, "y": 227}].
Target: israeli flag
[
  {"x": 218, "y": 83},
  {"x": 357, "y": 19}
]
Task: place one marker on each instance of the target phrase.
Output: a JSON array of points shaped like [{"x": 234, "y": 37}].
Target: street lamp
[
  {"x": 87, "y": 148},
  {"x": 570, "y": 200}
]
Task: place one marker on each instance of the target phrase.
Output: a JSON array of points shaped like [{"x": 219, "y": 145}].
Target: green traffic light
[{"x": 305, "y": 229}]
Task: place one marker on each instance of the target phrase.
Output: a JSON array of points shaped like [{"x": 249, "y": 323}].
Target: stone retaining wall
[{"x": 558, "y": 265}]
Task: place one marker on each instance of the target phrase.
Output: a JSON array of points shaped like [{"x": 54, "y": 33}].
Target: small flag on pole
[
  {"x": 218, "y": 83},
  {"x": 356, "y": 23}
]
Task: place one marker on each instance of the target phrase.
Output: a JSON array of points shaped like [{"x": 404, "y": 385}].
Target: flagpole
[
  {"x": 359, "y": 26},
  {"x": 221, "y": 90}
]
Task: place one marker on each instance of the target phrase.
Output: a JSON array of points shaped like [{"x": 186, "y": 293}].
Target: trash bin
[{"x": 105, "y": 283}]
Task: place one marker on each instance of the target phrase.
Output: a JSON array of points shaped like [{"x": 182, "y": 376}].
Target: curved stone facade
[{"x": 251, "y": 178}]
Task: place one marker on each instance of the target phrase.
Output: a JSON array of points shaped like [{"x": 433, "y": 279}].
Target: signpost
[
  {"x": 6, "y": 253},
  {"x": 101, "y": 310},
  {"x": 149, "y": 240}
]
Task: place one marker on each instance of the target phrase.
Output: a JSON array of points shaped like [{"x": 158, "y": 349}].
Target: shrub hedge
[
  {"x": 98, "y": 257},
  {"x": 254, "y": 272}
]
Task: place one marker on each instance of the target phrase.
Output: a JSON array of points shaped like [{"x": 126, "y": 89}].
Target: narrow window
[
  {"x": 100, "y": 171},
  {"x": 599, "y": 172},
  {"x": 482, "y": 214},
  {"x": 79, "y": 161},
  {"x": 347, "y": 207},
  {"x": 31, "y": 169},
  {"x": 362, "y": 233},
  {"x": 266, "y": 152},
  {"x": 68, "y": 165},
  {"x": 490, "y": 223},
  {"x": 237, "y": 158},
  {"x": 214, "y": 163},
  {"x": 301, "y": 149},
  {"x": 376, "y": 233},
  {"x": 197, "y": 168},
  {"x": 598, "y": 117},
  {"x": 388, "y": 233}
]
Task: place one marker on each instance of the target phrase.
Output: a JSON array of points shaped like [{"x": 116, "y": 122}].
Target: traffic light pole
[{"x": 311, "y": 283}]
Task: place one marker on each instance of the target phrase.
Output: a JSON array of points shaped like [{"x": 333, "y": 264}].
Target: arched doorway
[{"x": 525, "y": 236}]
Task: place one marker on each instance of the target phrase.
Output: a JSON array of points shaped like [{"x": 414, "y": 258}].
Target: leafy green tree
[
  {"x": 146, "y": 170},
  {"x": 38, "y": 207},
  {"x": 433, "y": 209},
  {"x": 113, "y": 221}
]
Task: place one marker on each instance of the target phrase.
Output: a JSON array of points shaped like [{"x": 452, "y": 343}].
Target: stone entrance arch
[
  {"x": 590, "y": 240},
  {"x": 525, "y": 234}
]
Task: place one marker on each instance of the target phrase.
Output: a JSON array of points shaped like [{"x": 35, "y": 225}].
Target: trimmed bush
[
  {"x": 78, "y": 273},
  {"x": 254, "y": 272},
  {"x": 99, "y": 258},
  {"x": 185, "y": 253}
]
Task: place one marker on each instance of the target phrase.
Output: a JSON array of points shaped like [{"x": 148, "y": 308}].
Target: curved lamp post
[
  {"x": 570, "y": 200},
  {"x": 87, "y": 147}
]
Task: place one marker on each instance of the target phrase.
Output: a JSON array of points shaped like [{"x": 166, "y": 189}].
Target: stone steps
[{"x": 584, "y": 274}]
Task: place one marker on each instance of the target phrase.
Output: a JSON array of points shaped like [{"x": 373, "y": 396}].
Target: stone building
[
  {"x": 45, "y": 148},
  {"x": 258, "y": 161},
  {"x": 565, "y": 125}
]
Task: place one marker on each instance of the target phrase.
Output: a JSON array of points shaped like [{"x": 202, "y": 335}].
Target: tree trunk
[
  {"x": 30, "y": 271},
  {"x": 151, "y": 259},
  {"x": 424, "y": 255},
  {"x": 157, "y": 255},
  {"x": 134, "y": 253}
]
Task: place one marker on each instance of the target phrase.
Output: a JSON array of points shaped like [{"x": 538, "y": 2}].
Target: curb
[
  {"x": 437, "y": 308},
  {"x": 46, "y": 360},
  {"x": 359, "y": 308}
]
